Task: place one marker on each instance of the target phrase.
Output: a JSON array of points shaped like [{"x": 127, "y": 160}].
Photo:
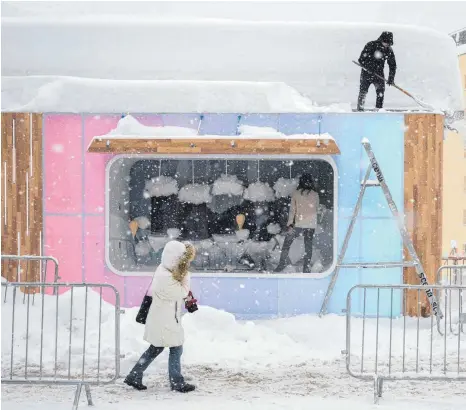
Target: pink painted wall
[{"x": 74, "y": 193}]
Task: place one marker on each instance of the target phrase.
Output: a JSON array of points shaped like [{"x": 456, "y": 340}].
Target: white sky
[{"x": 444, "y": 16}]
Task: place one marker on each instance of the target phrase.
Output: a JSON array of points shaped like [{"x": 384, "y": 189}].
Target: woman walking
[
  {"x": 302, "y": 221},
  {"x": 170, "y": 290}
]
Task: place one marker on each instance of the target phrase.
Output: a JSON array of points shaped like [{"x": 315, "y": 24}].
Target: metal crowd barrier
[
  {"x": 29, "y": 268},
  {"x": 452, "y": 275},
  {"x": 68, "y": 338},
  {"x": 383, "y": 344}
]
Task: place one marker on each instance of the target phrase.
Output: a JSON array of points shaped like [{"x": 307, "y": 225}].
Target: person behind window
[
  {"x": 170, "y": 289},
  {"x": 302, "y": 221}
]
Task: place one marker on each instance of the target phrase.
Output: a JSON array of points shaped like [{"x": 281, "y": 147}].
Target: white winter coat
[
  {"x": 303, "y": 209},
  {"x": 163, "y": 323}
]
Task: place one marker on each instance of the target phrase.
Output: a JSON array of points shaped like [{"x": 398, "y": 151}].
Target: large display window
[{"x": 244, "y": 215}]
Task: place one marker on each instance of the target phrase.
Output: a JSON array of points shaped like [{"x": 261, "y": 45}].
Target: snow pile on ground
[
  {"x": 285, "y": 187},
  {"x": 259, "y": 192},
  {"x": 213, "y": 337},
  {"x": 195, "y": 194},
  {"x": 162, "y": 186},
  {"x": 296, "y": 356},
  {"x": 69, "y": 331},
  {"x": 228, "y": 185},
  {"x": 315, "y": 59}
]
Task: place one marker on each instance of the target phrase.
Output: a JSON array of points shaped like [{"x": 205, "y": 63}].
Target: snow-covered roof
[
  {"x": 78, "y": 95},
  {"x": 313, "y": 58}
]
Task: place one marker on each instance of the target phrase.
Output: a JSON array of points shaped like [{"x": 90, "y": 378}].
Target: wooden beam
[
  {"x": 423, "y": 200},
  {"x": 21, "y": 213},
  {"x": 214, "y": 146}
]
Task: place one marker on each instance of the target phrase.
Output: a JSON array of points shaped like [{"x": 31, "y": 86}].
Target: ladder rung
[{"x": 371, "y": 183}]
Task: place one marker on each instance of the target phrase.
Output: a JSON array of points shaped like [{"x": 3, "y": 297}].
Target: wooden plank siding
[
  {"x": 423, "y": 200},
  {"x": 21, "y": 213},
  {"x": 214, "y": 146}
]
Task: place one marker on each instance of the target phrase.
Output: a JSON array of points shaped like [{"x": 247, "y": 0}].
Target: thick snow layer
[
  {"x": 72, "y": 94},
  {"x": 228, "y": 185},
  {"x": 162, "y": 186},
  {"x": 313, "y": 58},
  {"x": 195, "y": 194},
  {"x": 285, "y": 187},
  {"x": 261, "y": 132},
  {"x": 243, "y": 363},
  {"x": 128, "y": 126},
  {"x": 259, "y": 192},
  {"x": 132, "y": 128}
]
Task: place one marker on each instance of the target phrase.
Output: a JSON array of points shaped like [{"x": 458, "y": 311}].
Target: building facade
[{"x": 454, "y": 172}]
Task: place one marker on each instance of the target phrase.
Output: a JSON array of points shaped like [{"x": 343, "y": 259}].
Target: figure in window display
[{"x": 302, "y": 221}]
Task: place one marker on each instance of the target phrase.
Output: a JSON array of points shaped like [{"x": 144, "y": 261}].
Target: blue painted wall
[{"x": 375, "y": 237}]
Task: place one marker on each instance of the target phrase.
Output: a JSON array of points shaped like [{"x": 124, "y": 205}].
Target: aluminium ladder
[{"x": 415, "y": 261}]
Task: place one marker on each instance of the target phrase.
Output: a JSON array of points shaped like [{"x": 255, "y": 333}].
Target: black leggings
[{"x": 290, "y": 237}]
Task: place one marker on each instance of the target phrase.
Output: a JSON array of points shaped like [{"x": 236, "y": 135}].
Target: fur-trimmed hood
[{"x": 176, "y": 258}]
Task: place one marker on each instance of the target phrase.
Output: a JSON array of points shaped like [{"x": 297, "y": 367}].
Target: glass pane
[{"x": 236, "y": 212}]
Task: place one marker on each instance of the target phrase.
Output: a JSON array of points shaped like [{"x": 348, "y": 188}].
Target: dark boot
[
  {"x": 137, "y": 384},
  {"x": 183, "y": 387},
  {"x": 134, "y": 378}
]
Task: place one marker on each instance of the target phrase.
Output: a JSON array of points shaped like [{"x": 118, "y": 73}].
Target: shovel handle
[{"x": 383, "y": 78}]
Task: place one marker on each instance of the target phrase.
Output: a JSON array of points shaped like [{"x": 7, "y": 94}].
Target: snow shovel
[{"x": 421, "y": 103}]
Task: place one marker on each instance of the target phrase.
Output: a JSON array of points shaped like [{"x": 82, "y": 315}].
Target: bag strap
[{"x": 150, "y": 285}]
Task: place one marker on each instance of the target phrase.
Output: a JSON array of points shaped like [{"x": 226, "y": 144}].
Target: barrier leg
[
  {"x": 77, "y": 396},
  {"x": 88, "y": 395},
  {"x": 377, "y": 386},
  {"x": 380, "y": 387}
]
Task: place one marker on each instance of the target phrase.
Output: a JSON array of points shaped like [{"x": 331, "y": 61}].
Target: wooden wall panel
[
  {"x": 423, "y": 199},
  {"x": 21, "y": 214}
]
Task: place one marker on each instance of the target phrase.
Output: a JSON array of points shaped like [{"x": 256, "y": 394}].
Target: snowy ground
[{"x": 276, "y": 364}]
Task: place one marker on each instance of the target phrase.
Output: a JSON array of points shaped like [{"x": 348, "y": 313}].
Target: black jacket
[{"x": 374, "y": 55}]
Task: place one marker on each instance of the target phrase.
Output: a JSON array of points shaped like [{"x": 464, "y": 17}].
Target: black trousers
[
  {"x": 365, "y": 82},
  {"x": 289, "y": 238}
]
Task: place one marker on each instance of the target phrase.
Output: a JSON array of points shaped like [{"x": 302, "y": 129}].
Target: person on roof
[{"x": 373, "y": 58}]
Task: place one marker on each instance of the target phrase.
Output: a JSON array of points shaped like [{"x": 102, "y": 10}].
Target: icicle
[
  {"x": 226, "y": 167},
  {"x": 160, "y": 168}
]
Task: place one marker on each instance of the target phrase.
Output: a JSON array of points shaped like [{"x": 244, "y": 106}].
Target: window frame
[{"x": 221, "y": 274}]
